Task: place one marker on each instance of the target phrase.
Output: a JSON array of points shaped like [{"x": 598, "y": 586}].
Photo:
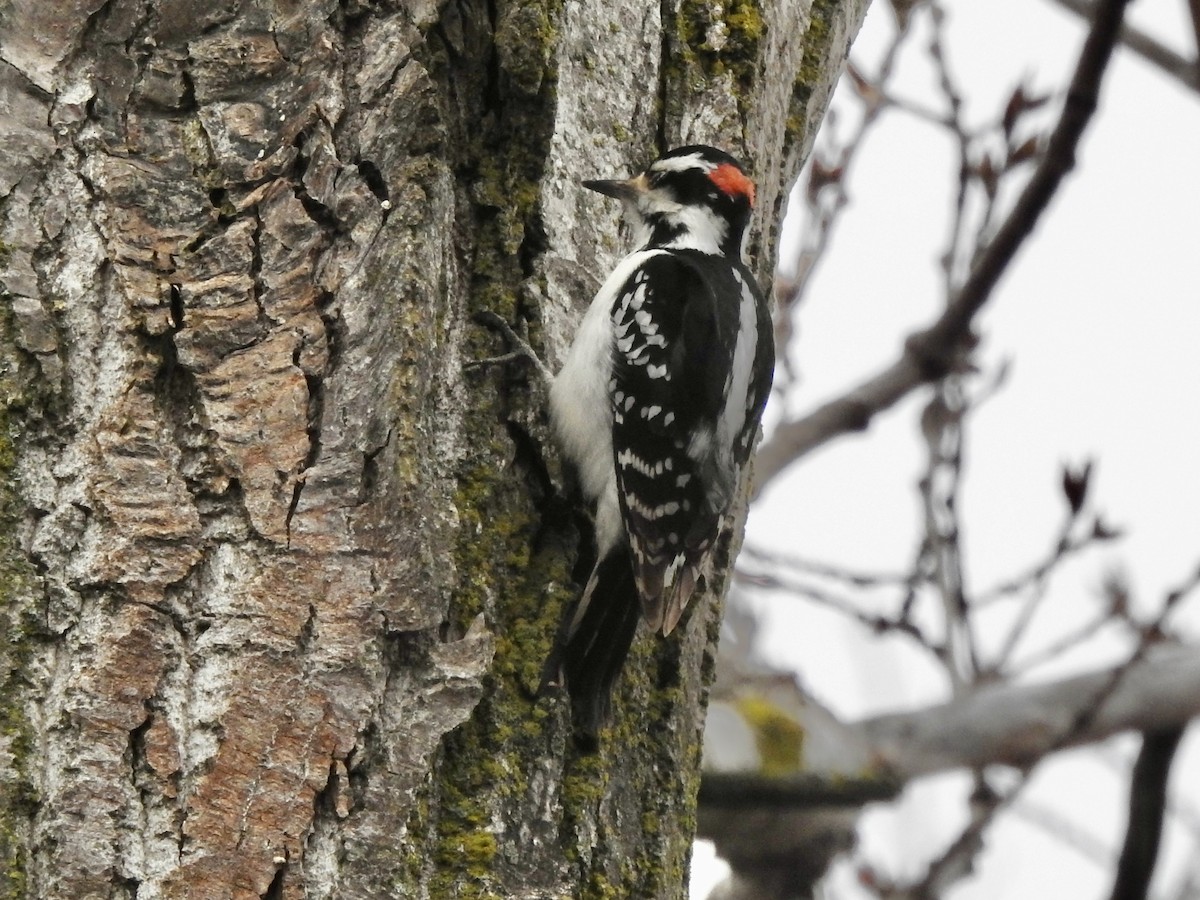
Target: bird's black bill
[{"x": 622, "y": 190}]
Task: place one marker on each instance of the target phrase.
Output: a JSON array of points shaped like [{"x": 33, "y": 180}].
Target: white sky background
[{"x": 1100, "y": 317}]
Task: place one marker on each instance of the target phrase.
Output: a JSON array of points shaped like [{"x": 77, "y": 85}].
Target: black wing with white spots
[{"x": 677, "y": 446}]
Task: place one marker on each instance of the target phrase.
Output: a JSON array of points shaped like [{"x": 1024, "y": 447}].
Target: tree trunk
[{"x": 278, "y": 576}]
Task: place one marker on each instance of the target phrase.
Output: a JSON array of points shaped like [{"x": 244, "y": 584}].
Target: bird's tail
[{"x": 593, "y": 641}]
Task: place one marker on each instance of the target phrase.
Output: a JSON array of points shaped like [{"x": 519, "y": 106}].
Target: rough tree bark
[{"x": 277, "y": 575}]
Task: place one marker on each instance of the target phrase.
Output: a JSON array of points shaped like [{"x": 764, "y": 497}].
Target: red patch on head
[{"x": 730, "y": 179}]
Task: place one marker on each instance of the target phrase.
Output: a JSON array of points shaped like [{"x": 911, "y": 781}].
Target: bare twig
[
  {"x": 957, "y": 861},
  {"x": 1036, "y": 581},
  {"x": 822, "y": 597},
  {"x": 1064, "y": 548},
  {"x": 918, "y": 110},
  {"x": 827, "y": 196},
  {"x": 1108, "y": 694},
  {"x": 941, "y": 425},
  {"x": 1058, "y": 826},
  {"x": 1174, "y": 597},
  {"x": 930, "y": 354},
  {"x": 853, "y": 577},
  {"x": 1186, "y": 71},
  {"x": 1055, "y": 649},
  {"x": 962, "y": 141}
]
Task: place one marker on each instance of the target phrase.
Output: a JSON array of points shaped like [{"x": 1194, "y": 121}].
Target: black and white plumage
[{"x": 658, "y": 406}]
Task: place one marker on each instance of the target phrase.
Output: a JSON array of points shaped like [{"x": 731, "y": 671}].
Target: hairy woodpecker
[{"x": 657, "y": 407}]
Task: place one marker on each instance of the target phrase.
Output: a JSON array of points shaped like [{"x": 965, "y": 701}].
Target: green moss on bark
[
  {"x": 813, "y": 71},
  {"x": 715, "y": 41},
  {"x": 626, "y": 814},
  {"x": 722, "y": 37},
  {"x": 510, "y": 569},
  {"x": 18, "y": 631}
]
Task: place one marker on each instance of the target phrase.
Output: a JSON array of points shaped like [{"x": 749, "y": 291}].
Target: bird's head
[{"x": 697, "y": 197}]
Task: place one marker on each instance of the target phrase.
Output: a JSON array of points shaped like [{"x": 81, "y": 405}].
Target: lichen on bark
[{"x": 18, "y": 797}]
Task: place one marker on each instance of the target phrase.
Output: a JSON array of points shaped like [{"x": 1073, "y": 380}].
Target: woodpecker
[{"x": 657, "y": 408}]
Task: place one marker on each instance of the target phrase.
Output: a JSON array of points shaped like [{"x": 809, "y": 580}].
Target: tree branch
[
  {"x": 930, "y": 354},
  {"x": 1153, "y": 51},
  {"x": 748, "y": 790},
  {"x": 1018, "y": 724},
  {"x": 1194, "y": 6},
  {"x": 1147, "y": 803}
]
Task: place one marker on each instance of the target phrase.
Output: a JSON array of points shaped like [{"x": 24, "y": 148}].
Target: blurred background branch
[{"x": 1185, "y": 71}]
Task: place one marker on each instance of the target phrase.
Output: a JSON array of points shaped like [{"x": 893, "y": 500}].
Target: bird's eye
[{"x": 656, "y": 178}]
